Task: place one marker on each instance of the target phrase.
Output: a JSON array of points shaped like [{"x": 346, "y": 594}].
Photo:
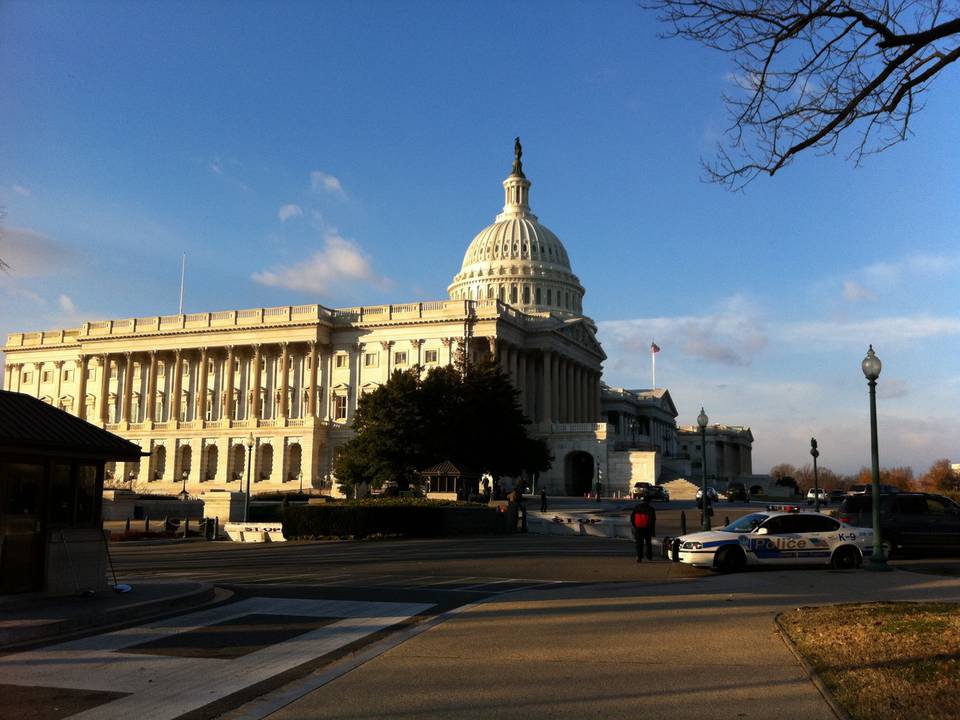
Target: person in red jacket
[{"x": 643, "y": 519}]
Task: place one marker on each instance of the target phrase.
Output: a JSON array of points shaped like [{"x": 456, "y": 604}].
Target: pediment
[{"x": 581, "y": 333}]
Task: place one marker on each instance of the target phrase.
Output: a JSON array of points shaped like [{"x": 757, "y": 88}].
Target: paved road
[{"x": 488, "y": 627}]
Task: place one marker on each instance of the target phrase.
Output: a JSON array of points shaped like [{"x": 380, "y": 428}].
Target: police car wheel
[
  {"x": 845, "y": 558},
  {"x": 731, "y": 559}
]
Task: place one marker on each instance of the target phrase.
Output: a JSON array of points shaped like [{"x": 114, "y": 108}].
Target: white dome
[{"x": 519, "y": 261}]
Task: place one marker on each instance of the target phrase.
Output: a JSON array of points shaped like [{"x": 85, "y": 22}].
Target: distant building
[{"x": 728, "y": 451}]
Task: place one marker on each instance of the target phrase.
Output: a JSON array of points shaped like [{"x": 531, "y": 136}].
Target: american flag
[{"x": 654, "y": 348}]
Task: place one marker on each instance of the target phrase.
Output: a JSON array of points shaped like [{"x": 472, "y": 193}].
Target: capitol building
[{"x": 192, "y": 390}]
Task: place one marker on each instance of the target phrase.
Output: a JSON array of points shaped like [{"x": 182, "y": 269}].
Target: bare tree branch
[{"x": 809, "y": 70}]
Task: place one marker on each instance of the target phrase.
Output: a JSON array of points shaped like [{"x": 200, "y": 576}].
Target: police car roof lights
[{"x": 787, "y": 508}]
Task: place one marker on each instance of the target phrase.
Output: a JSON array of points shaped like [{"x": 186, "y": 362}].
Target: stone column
[
  {"x": 448, "y": 345},
  {"x": 358, "y": 357},
  {"x": 104, "y": 387},
  {"x": 82, "y": 387},
  {"x": 127, "y": 387},
  {"x": 416, "y": 346},
  {"x": 387, "y": 346},
  {"x": 562, "y": 390},
  {"x": 581, "y": 398},
  {"x": 175, "y": 392},
  {"x": 201, "y": 400},
  {"x": 255, "y": 384},
  {"x": 151, "y": 404},
  {"x": 311, "y": 409},
  {"x": 328, "y": 386},
  {"x": 228, "y": 412},
  {"x": 284, "y": 362},
  {"x": 522, "y": 382},
  {"x": 546, "y": 391}
]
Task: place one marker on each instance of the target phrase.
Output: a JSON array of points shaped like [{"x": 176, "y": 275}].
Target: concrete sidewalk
[
  {"x": 705, "y": 648},
  {"x": 34, "y": 617}
]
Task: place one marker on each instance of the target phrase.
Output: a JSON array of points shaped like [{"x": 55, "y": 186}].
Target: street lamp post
[
  {"x": 871, "y": 370},
  {"x": 816, "y": 483},
  {"x": 183, "y": 492},
  {"x": 246, "y": 497},
  {"x": 702, "y": 421},
  {"x": 301, "y": 481}
]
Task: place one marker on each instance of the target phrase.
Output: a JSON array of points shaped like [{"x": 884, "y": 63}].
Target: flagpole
[
  {"x": 183, "y": 272},
  {"x": 653, "y": 367}
]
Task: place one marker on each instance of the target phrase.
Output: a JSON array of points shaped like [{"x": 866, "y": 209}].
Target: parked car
[
  {"x": 775, "y": 537},
  {"x": 654, "y": 493},
  {"x": 837, "y": 496},
  {"x": 812, "y": 496},
  {"x": 737, "y": 492},
  {"x": 908, "y": 521},
  {"x": 862, "y": 489}
]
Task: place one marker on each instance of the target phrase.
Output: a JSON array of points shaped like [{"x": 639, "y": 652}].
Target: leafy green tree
[{"x": 470, "y": 415}]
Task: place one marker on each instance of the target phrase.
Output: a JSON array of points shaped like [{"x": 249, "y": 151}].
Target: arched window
[
  {"x": 186, "y": 460},
  {"x": 513, "y": 294},
  {"x": 208, "y": 408},
  {"x": 159, "y": 462},
  {"x": 213, "y": 458},
  {"x": 526, "y": 294},
  {"x": 184, "y": 405},
  {"x": 295, "y": 461},
  {"x": 266, "y": 462},
  {"x": 239, "y": 461}
]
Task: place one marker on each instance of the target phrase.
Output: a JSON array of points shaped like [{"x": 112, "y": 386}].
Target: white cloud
[
  {"x": 66, "y": 304},
  {"x": 855, "y": 292},
  {"x": 32, "y": 254},
  {"x": 879, "y": 331},
  {"x": 21, "y": 190},
  {"x": 322, "y": 182},
  {"x": 340, "y": 262},
  {"x": 730, "y": 336},
  {"x": 288, "y": 211}
]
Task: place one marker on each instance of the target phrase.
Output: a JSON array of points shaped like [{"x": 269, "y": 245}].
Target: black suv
[{"x": 908, "y": 520}]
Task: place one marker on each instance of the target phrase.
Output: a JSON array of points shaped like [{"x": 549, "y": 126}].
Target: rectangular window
[
  {"x": 429, "y": 356},
  {"x": 210, "y": 366},
  {"x": 161, "y": 368},
  {"x": 91, "y": 373},
  {"x": 136, "y": 369},
  {"x": 67, "y": 375},
  {"x": 371, "y": 360},
  {"x": 47, "y": 376},
  {"x": 539, "y": 296},
  {"x": 400, "y": 358},
  {"x": 28, "y": 377},
  {"x": 114, "y": 371},
  {"x": 339, "y": 407},
  {"x": 341, "y": 360},
  {"x": 309, "y": 362}
]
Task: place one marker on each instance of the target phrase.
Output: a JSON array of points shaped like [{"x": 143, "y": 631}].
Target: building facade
[
  {"x": 191, "y": 389},
  {"x": 196, "y": 390}
]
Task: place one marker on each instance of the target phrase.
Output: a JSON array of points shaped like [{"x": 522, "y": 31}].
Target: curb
[
  {"x": 34, "y": 631},
  {"x": 815, "y": 678}
]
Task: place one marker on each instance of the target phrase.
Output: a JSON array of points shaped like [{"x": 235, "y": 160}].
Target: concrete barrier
[{"x": 255, "y": 532}]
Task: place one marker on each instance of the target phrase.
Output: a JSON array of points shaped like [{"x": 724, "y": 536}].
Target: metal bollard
[
  {"x": 216, "y": 528},
  {"x": 126, "y": 528},
  {"x": 683, "y": 523},
  {"x": 676, "y": 549},
  {"x": 146, "y": 524},
  {"x": 726, "y": 520},
  {"x": 186, "y": 527}
]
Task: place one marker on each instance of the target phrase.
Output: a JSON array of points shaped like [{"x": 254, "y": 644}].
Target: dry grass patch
[{"x": 884, "y": 661}]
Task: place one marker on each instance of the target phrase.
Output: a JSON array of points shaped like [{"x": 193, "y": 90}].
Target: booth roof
[
  {"x": 449, "y": 468},
  {"x": 30, "y": 425}
]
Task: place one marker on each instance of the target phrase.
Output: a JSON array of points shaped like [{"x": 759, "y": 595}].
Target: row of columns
[
  {"x": 553, "y": 388},
  {"x": 228, "y": 354}
]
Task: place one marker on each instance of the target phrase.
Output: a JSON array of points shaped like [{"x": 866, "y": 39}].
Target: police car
[{"x": 782, "y": 535}]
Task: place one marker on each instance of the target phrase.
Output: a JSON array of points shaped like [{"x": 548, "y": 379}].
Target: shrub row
[{"x": 359, "y": 519}]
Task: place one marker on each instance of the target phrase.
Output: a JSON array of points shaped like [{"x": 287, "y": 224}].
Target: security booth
[
  {"x": 51, "y": 485},
  {"x": 450, "y": 481}
]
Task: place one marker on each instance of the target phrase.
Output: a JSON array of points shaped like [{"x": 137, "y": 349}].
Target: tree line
[{"x": 940, "y": 477}]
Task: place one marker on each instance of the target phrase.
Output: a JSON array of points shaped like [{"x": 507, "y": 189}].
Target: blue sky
[{"x": 347, "y": 153}]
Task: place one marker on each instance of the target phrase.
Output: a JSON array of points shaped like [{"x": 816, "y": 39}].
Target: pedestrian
[
  {"x": 643, "y": 519},
  {"x": 543, "y": 499}
]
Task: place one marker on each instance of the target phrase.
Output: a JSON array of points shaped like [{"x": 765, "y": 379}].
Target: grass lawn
[{"x": 884, "y": 660}]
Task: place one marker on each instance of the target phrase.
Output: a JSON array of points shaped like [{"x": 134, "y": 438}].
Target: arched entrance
[{"x": 578, "y": 469}]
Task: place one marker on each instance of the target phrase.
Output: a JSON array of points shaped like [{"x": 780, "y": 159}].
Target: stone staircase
[{"x": 681, "y": 489}]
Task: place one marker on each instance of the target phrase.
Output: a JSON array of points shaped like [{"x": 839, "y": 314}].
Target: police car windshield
[{"x": 748, "y": 523}]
